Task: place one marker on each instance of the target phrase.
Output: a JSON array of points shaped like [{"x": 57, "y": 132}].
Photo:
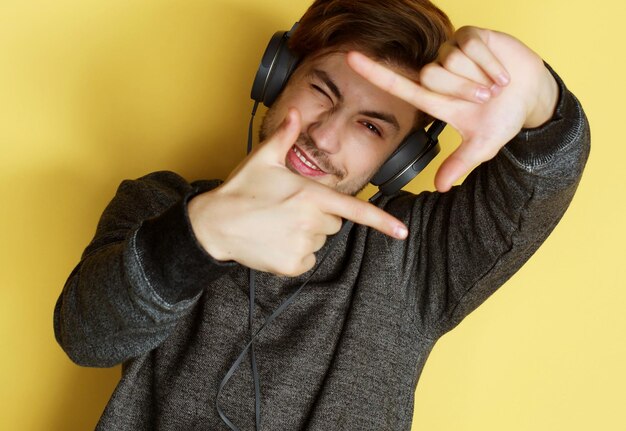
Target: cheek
[{"x": 367, "y": 162}]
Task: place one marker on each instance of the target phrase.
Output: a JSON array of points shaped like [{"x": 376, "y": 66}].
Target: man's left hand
[{"x": 486, "y": 84}]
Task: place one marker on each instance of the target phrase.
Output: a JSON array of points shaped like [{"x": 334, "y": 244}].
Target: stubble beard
[{"x": 306, "y": 143}]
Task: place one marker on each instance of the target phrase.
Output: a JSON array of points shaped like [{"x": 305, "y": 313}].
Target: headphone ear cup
[
  {"x": 411, "y": 157},
  {"x": 276, "y": 66}
]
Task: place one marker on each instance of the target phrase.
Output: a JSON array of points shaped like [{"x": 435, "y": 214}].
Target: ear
[{"x": 277, "y": 65}]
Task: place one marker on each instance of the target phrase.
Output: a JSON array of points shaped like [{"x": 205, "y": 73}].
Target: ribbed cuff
[
  {"x": 176, "y": 264},
  {"x": 535, "y": 147}
]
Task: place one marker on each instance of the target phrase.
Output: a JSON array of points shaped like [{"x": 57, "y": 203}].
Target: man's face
[{"x": 349, "y": 126}]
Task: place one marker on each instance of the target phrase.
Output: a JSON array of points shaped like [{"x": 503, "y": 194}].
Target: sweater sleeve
[
  {"x": 466, "y": 243},
  {"x": 141, "y": 273}
]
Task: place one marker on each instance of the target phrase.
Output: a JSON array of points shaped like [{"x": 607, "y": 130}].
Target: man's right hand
[{"x": 270, "y": 219}]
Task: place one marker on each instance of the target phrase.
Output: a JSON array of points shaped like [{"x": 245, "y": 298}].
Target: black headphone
[{"x": 409, "y": 159}]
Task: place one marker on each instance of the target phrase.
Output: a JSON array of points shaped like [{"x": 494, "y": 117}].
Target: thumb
[
  {"x": 463, "y": 160},
  {"x": 275, "y": 148}
]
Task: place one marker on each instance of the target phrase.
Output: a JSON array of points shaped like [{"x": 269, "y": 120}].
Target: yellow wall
[{"x": 92, "y": 92}]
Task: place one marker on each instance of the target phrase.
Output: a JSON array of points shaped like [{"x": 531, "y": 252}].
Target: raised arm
[{"x": 530, "y": 138}]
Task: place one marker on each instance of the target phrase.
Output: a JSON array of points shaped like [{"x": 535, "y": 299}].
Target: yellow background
[{"x": 92, "y": 92}]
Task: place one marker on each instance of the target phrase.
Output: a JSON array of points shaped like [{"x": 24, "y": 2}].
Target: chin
[{"x": 353, "y": 189}]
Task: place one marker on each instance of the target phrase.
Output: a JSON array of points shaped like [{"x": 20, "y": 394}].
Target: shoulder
[{"x": 164, "y": 186}]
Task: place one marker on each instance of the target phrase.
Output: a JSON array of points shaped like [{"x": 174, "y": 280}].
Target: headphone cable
[
  {"x": 252, "y": 298},
  {"x": 345, "y": 228}
]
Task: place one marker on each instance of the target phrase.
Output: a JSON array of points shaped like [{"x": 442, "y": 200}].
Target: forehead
[{"x": 357, "y": 92}]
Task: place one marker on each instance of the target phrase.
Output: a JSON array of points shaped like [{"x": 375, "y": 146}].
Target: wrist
[
  {"x": 170, "y": 257},
  {"x": 201, "y": 213},
  {"x": 546, "y": 102}
]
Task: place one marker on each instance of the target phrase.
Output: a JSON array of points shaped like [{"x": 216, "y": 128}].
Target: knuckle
[
  {"x": 444, "y": 49},
  {"x": 453, "y": 60},
  {"x": 331, "y": 225},
  {"x": 358, "y": 213},
  {"x": 468, "y": 91},
  {"x": 299, "y": 197},
  {"x": 306, "y": 224},
  {"x": 288, "y": 273},
  {"x": 303, "y": 245},
  {"x": 427, "y": 73},
  {"x": 392, "y": 82},
  {"x": 492, "y": 152},
  {"x": 466, "y": 33},
  {"x": 307, "y": 220},
  {"x": 469, "y": 44},
  {"x": 319, "y": 242},
  {"x": 336, "y": 225},
  {"x": 308, "y": 263},
  {"x": 464, "y": 30},
  {"x": 292, "y": 268}
]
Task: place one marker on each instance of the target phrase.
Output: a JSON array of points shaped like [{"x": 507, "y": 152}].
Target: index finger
[
  {"x": 400, "y": 86},
  {"x": 354, "y": 209}
]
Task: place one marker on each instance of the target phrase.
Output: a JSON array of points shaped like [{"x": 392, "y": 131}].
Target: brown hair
[{"x": 406, "y": 33}]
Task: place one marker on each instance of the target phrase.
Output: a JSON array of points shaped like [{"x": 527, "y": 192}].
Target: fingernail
[
  {"x": 502, "y": 79},
  {"x": 495, "y": 90},
  {"x": 483, "y": 94},
  {"x": 358, "y": 60},
  {"x": 401, "y": 232}
]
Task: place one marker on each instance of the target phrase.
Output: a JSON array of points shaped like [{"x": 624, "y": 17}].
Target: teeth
[{"x": 304, "y": 160}]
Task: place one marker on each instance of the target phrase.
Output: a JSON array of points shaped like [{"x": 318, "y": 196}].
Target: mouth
[{"x": 301, "y": 163}]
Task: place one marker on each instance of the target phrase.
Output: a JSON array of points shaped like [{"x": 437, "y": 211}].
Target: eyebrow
[{"x": 326, "y": 79}]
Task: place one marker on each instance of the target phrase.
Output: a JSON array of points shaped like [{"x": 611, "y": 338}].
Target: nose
[{"x": 325, "y": 133}]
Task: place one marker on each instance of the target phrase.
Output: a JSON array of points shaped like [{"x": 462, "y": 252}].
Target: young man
[{"x": 163, "y": 286}]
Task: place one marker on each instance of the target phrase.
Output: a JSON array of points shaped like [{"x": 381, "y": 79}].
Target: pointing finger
[
  {"x": 427, "y": 101},
  {"x": 278, "y": 145},
  {"x": 351, "y": 208}
]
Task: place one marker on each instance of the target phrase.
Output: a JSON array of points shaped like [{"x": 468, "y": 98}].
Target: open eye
[{"x": 371, "y": 128}]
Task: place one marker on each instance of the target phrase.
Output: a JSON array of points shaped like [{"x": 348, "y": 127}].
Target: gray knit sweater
[{"x": 348, "y": 353}]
